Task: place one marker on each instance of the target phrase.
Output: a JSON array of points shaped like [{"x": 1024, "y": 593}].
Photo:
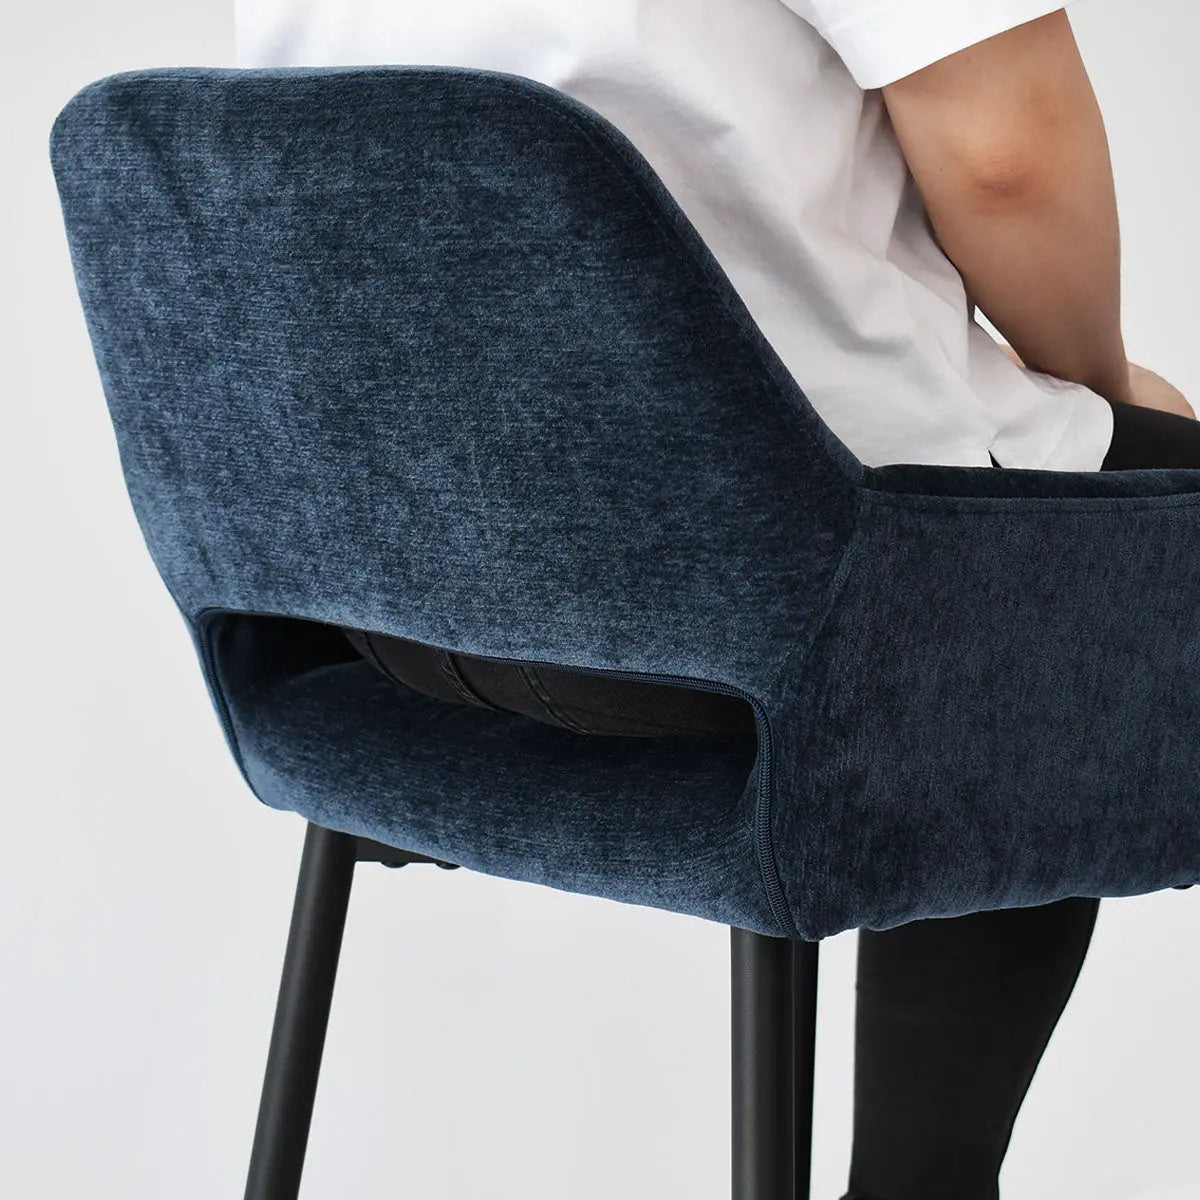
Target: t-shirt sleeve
[{"x": 881, "y": 41}]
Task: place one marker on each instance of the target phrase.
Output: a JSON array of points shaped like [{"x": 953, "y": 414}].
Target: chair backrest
[{"x": 431, "y": 351}]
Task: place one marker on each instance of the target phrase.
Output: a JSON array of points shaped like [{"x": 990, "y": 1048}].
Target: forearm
[{"x": 1041, "y": 259}]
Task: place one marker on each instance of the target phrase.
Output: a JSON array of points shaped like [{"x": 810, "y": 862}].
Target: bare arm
[{"x": 1007, "y": 146}]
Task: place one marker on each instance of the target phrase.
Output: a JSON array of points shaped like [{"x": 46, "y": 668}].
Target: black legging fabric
[{"x": 953, "y": 1014}]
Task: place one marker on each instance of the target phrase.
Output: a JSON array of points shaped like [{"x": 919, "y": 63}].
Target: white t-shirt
[{"x": 763, "y": 120}]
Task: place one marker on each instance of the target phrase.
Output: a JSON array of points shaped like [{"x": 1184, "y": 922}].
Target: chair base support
[
  {"x": 774, "y": 1009},
  {"x": 301, "y": 1014},
  {"x": 773, "y": 1043}
]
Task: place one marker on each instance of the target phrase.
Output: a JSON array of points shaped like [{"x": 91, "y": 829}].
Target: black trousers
[{"x": 953, "y": 1015}]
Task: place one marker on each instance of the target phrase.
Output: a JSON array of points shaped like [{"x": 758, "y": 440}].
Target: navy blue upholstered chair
[{"x": 431, "y": 351}]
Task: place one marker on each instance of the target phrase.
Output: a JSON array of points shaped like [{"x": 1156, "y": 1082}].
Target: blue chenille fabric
[{"x": 432, "y": 351}]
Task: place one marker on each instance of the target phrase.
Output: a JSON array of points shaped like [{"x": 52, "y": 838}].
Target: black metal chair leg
[
  {"x": 804, "y": 1044},
  {"x": 773, "y": 1005},
  {"x": 763, "y": 1150},
  {"x": 301, "y": 1014}
]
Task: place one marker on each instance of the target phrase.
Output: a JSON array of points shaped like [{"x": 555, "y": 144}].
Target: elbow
[
  {"x": 1016, "y": 170},
  {"x": 1008, "y": 178}
]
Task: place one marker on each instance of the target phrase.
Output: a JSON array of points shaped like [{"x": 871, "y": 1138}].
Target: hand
[
  {"x": 1153, "y": 391},
  {"x": 1147, "y": 389}
]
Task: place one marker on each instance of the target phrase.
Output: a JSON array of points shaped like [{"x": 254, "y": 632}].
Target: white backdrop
[{"x": 487, "y": 1037}]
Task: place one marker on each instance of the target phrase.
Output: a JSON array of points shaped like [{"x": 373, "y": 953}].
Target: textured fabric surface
[{"x": 431, "y": 352}]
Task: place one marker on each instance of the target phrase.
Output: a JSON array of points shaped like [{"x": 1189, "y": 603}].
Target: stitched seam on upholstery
[
  {"x": 656, "y": 728},
  {"x": 372, "y": 655},
  {"x": 534, "y": 684},
  {"x": 647, "y": 728},
  {"x": 837, "y": 585},
  {"x": 203, "y": 625},
  {"x": 950, "y": 504},
  {"x": 451, "y": 673}
]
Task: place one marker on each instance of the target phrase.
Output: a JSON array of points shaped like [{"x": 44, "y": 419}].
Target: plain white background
[{"x": 488, "y": 1037}]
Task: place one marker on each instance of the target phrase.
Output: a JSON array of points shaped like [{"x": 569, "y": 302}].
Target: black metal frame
[{"x": 774, "y": 1018}]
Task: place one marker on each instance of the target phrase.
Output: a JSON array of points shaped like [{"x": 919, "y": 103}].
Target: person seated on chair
[{"x": 867, "y": 175}]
